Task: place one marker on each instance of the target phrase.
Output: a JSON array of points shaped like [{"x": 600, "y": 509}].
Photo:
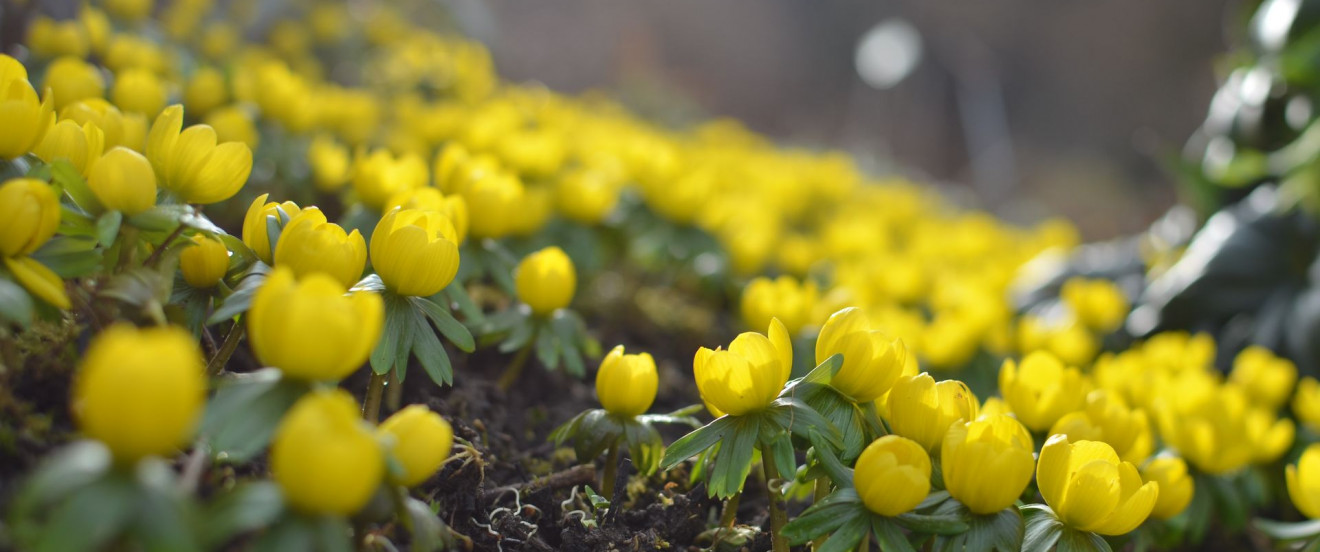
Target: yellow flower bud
[
  {"x": 97, "y": 26},
  {"x": 140, "y": 391},
  {"x": 1099, "y": 304},
  {"x": 1269, "y": 435},
  {"x": 123, "y": 181},
  {"x": 532, "y": 213},
  {"x": 987, "y": 462},
  {"x": 138, "y": 90},
  {"x": 586, "y": 196},
  {"x": 49, "y": 38},
  {"x": 1266, "y": 378},
  {"x": 1090, "y": 489},
  {"x": 27, "y": 117},
  {"x": 79, "y": 145},
  {"x": 218, "y": 40},
  {"x": 749, "y": 375},
  {"x": 454, "y": 168},
  {"x": 892, "y": 475},
  {"x": 309, "y": 245},
  {"x": 414, "y": 251},
  {"x": 420, "y": 440},
  {"x": 922, "y": 409},
  {"x": 254, "y": 224},
  {"x": 324, "y": 457},
  {"x": 784, "y": 297},
  {"x": 536, "y": 153},
  {"x": 1107, "y": 418},
  {"x": 626, "y": 384},
  {"x": 205, "y": 263},
  {"x": 546, "y": 280},
  {"x": 135, "y": 132},
  {"x": 128, "y": 50},
  {"x": 71, "y": 79},
  {"x": 100, "y": 113},
  {"x": 490, "y": 199},
  {"x": 310, "y": 329},
  {"x": 131, "y": 10},
  {"x": 206, "y": 90},
  {"x": 380, "y": 175},
  {"x": 39, "y": 280},
  {"x": 233, "y": 124},
  {"x": 191, "y": 164},
  {"x": 1042, "y": 390},
  {"x": 1304, "y": 482},
  {"x": 29, "y": 215},
  {"x": 330, "y": 164},
  {"x": 871, "y": 361},
  {"x": 1306, "y": 403},
  {"x": 430, "y": 199},
  {"x": 1176, "y": 485}
]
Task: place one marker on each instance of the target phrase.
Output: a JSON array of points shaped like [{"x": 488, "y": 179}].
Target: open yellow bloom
[
  {"x": 420, "y": 440},
  {"x": 330, "y": 163},
  {"x": 1042, "y": 390},
  {"x": 140, "y": 391},
  {"x": 784, "y": 297},
  {"x": 1267, "y": 379},
  {"x": 310, "y": 329},
  {"x": 29, "y": 215},
  {"x": 626, "y": 384},
  {"x": 453, "y": 207},
  {"x": 1176, "y": 485},
  {"x": 490, "y": 200},
  {"x": 1099, "y": 304},
  {"x": 1217, "y": 430},
  {"x": 415, "y": 252},
  {"x": 101, "y": 113},
  {"x": 586, "y": 196},
  {"x": 1107, "y": 418},
  {"x": 546, "y": 280},
  {"x": 123, "y": 181},
  {"x": 139, "y": 91},
  {"x": 922, "y": 409},
  {"x": 871, "y": 361},
  {"x": 206, "y": 90},
  {"x": 80, "y": 145},
  {"x": 191, "y": 164},
  {"x": 380, "y": 175},
  {"x": 987, "y": 462},
  {"x": 892, "y": 475},
  {"x": 1304, "y": 482},
  {"x": 71, "y": 79},
  {"x": 749, "y": 375},
  {"x": 254, "y": 224},
  {"x": 1306, "y": 403},
  {"x": 1090, "y": 489},
  {"x": 233, "y": 123},
  {"x": 205, "y": 263},
  {"x": 324, "y": 457},
  {"x": 27, "y": 117},
  {"x": 310, "y": 244}
]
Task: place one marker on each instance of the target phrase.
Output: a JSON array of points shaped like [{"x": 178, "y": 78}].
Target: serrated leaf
[
  {"x": 840, "y": 474},
  {"x": 933, "y": 524},
  {"x": 384, "y": 355},
  {"x": 889, "y": 535}
]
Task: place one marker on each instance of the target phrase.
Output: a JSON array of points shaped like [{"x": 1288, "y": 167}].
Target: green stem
[
  {"x": 126, "y": 241},
  {"x": 393, "y": 392},
  {"x": 227, "y": 348},
  {"x": 371, "y": 405},
  {"x": 865, "y": 546},
  {"x": 822, "y": 491},
  {"x": 155, "y": 255},
  {"x": 730, "y": 514},
  {"x": 778, "y": 515},
  {"x": 515, "y": 368},
  {"x": 611, "y": 469}
]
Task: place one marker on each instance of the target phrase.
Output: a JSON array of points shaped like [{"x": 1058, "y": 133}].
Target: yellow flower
[
  {"x": 922, "y": 409},
  {"x": 1306, "y": 403},
  {"x": 1108, "y": 419},
  {"x": 309, "y": 245},
  {"x": 415, "y": 252},
  {"x": 546, "y": 280},
  {"x": 309, "y": 329},
  {"x": 380, "y": 175},
  {"x": 71, "y": 79},
  {"x": 123, "y": 181},
  {"x": 205, "y": 263},
  {"x": 1267, "y": 379},
  {"x": 27, "y": 117},
  {"x": 533, "y": 212},
  {"x": 48, "y": 38},
  {"x": 324, "y": 457},
  {"x": 135, "y": 132},
  {"x": 191, "y": 164},
  {"x": 1270, "y": 435},
  {"x": 233, "y": 124},
  {"x": 131, "y": 10},
  {"x": 1090, "y": 489},
  {"x": 206, "y": 90},
  {"x": 139, "y": 91},
  {"x": 1215, "y": 428},
  {"x": 140, "y": 392},
  {"x": 330, "y": 163},
  {"x": 1176, "y": 486},
  {"x": 987, "y": 462},
  {"x": 1304, "y": 482},
  {"x": 29, "y": 215},
  {"x": 784, "y": 297},
  {"x": 490, "y": 200},
  {"x": 41, "y": 281},
  {"x": 431, "y": 199},
  {"x": 1099, "y": 304},
  {"x": 892, "y": 475},
  {"x": 1042, "y": 390},
  {"x": 871, "y": 361},
  {"x": 79, "y": 145},
  {"x": 254, "y": 224},
  {"x": 101, "y": 113},
  {"x": 626, "y": 384},
  {"x": 749, "y": 375},
  {"x": 994, "y": 406},
  {"x": 96, "y": 25},
  {"x": 420, "y": 440},
  {"x": 586, "y": 196}
]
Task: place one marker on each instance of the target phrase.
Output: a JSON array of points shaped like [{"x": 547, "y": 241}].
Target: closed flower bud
[
  {"x": 101, "y": 113},
  {"x": 626, "y": 384},
  {"x": 1090, "y": 489},
  {"x": 39, "y": 280},
  {"x": 330, "y": 163},
  {"x": 871, "y": 361},
  {"x": 1099, "y": 304},
  {"x": 1304, "y": 482},
  {"x": 490, "y": 200},
  {"x": 49, "y": 38},
  {"x": 1042, "y": 390},
  {"x": 586, "y": 196},
  {"x": 71, "y": 79},
  {"x": 380, "y": 175},
  {"x": 310, "y": 329},
  {"x": 140, "y": 391},
  {"x": 205, "y": 262},
  {"x": 415, "y": 252},
  {"x": 1306, "y": 403},
  {"x": 431, "y": 199},
  {"x": 419, "y": 440},
  {"x": 546, "y": 280},
  {"x": 749, "y": 375},
  {"x": 892, "y": 476},
  {"x": 784, "y": 297},
  {"x": 922, "y": 409},
  {"x": 206, "y": 90},
  {"x": 123, "y": 181},
  {"x": 324, "y": 457},
  {"x": 139, "y": 91},
  {"x": 309, "y": 244},
  {"x": 1108, "y": 419},
  {"x": 452, "y": 168},
  {"x": 1176, "y": 485},
  {"x": 29, "y": 215},
  {"x": 255, "y": 225},
  {"x": 96, "y": 25},
  {"x": 27, "y": 117},
  {"x": 79, "y": 145},
  {"x": 1267, "y": 379},
  {"x": 533, "y": 212},
  {"x": 987, "y": 462},
  {"x": 233, "y": 124},
  {"x": 191, "y": 164}
]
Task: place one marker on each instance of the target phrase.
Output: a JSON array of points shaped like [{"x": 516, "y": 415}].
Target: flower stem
[
  {"x": 730, "y": 514},
  {"x": 155, "y": 255},
  {"x": 778, "y": 515},
  {"x": 371, "y": 405},
  {"x": 515, "y": 368},
  {"x": 393, "y": 392},
  {"x": 611, "y": 468},
  {"x": 822, "y": 491},
  {"x": 227, "y": 348}
]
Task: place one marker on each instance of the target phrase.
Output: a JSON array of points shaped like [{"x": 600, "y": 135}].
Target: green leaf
[
  {"x": 91, "y": 517},
  {"x": 734, "y": 461},
  {"x": 889, "y": 535},
  {"x": 546, "y": 349},
  {"x": 933, "y": 524},
  {"x": 644, "y": 445},
  {"x": 563, "y": 432},
  {"x": 1230, "y": 505},
  {"x": 403, "y": 342},
  {"x": 1284, "y": 531},
  {"x": 67, "y": 469},
  {"x": 454, "y": 331},
  {"x": 848, "y": 536},
  {"x": 431, "y": 354},
  {"x": 842, "y": 413},
  {"x": 70, "y": 257},
  {"x": 332, "y": 535},
  {"x": 240, "y": 300},
  {"x": 520, "y": 336},
  {"x": 249, "y": 507},
  {"x": 15, "y": 304},
  {"x": 107, "y": 227},
  {"x": 292, "y": 533},
  {"x": 165, "y": 520},
  {"x": 830, "y": 513},
  {"x": 802, "y": 420},
  {"x": 63, "y": 173},
  {"x": 138, "y": 287},
  {"x": 457, "y": 294},
  {"x": 160, "y": 218},
  {"x": 597, "y": 432},
  {"x": 383, "y": 357},
  {"x": 840, "y": 474},
  {"x": 1043, "y": 529},
  {"x": 597, "y": 502},
  {"x": 429, "y": 533},
  {"x": 781, "y": 453},
  {"x": 1072, "y": 540},
  {"x": 695, "y": 442},
  {"x": 241, "y": 418}
]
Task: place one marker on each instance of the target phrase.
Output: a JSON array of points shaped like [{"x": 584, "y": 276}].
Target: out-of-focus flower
[
  {"x": 139, "y": 91},
  {"x": 586, "y": 195},
  {"x": 310, "y": 329},
  {"x": 420, "y": 440},
  {"x": 71, "y": 79},
  {"x": 205, "y": 262},
  {"x": 1108, "y": 419},
  {"x": 987, "y": 462},
  {"x": 48, "y": 38},
  {"x": 871, "y": 361},
  {"x": 626, "y": 384},
  {"x": 1267, "y": 379},
  {"x": 1176, "y": 485},
  {"x": 1306, "y": 403},
  {"x": 749, "y": 375},
  {"x": 1041, "y": 390},
  {"x": 131, "y": 10},
  {"x": 1099, "y": 304},
  {"x": 1090, "y": 489},
  {"x": 415, "y": 252},
  {"x": 324, "y": 457},
  {"x": 922, "y": 409},
  {"x": 206, "y": 90},
  {"x": 892, "y": 475},
  {"x": 490, "y": 200},
  {"x": 786, "y": 298},
  {"x": 29, "y": 215},
  {"x": 27, "y": 117},
  {"x": 330, "y": 163},
  {"x": 191, "y": 164},
  {"x": 103, "y": 115},
  {"x": 380, "y": 175},
  {"x": 546, "y": 280},
  {"x": 309, "y": 244},
  {"x": 80, "y": 145},
  {"x": 233, "y": 124}
]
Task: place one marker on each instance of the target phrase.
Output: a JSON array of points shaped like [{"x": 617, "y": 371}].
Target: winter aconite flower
[
  {"x": 140, "y": 391},
  {"x": 987, "y": 462},
  {"x": 491, "y": 200},
  {"x": 1090, "y": 489},
  {"x": 71, "y": 79},
  {"x": 922, "y": 409},
  {"x": 626, "y": 384},
  {"x": 123, "y": 181},
  {"x": 1304, "y": 482},
  {"x": 309, "y": 244},
  {"x": 1099, "y": 304},
  {"x": 380, "y": 175},
  {"x": 324, "y": 457},
  {"x": 586, "y": 195},
  {"x": 205, "y": 262},
  {"x": 749, "y": 375},
  {"x": 415, "y": 251},
  {"x": 1176, "y": 485},
  {"x": 330, "y": 163},
  {"x": 27, "y": 117},
  {"x": 1108, "y": 419},
  {"x": 80, "y": 145},
  {"x": 1306, "y": 403},
  {"x": 310, "y": 329},
  {"x": 420, "y": 440},
  {"x": 255, "y": 231},
  {"x": 191, "y": 164},
  {"x": 546, "y": 280},
  {"x": 892, "y": 475},
  {"x": 139, "y": 91},
  {"x": 871, "y": 361},
  {"x": 1267, "y": 379},
  {"x": 454, "y": 207},
  {"x": 1041, "y": 390},
  {"x": 784, "y": 297},
  {"x": 29, "y": 215}
]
